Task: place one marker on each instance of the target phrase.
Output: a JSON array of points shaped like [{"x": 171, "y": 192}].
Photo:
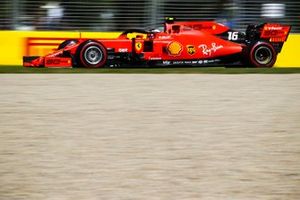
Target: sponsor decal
[
  {"x": 155, "y": 58},
  {"x": 164, "y": 37},
  {"x": 166, "y": 62},
  {"x": 191, "y": 49},
  {"x": 122, "y": 50},
  {"x": 174, "y": 48},
  {"x": 210, "y": 50},
  {"x": 179, "y": 62},
  {"x": 138, "y": 46},
  {"x": 274, "y": 28},
  {"x": 57, "y": 61},
  {"x": 190, "y": 62}
]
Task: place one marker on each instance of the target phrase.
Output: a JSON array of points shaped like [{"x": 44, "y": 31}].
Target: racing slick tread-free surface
[{"x": 81, "y": 51}]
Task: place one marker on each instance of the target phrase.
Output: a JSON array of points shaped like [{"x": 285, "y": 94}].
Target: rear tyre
[
  {"x": 91, "y": 54},
  {"x": 262, "y": 54}
]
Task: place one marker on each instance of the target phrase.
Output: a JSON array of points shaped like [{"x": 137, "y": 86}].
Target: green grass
[{"x": 162, "y": 70}]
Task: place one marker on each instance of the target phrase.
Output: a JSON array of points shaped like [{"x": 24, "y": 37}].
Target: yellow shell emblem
[{"x": 174, "y": 48}]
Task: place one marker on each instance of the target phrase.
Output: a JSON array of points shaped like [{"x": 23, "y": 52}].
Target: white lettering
[
  {"x": 208, "y": 51},
  {"x": 123, "y": 50},
  {"x": 233, "y": 35},
  {"x": 164, "y": 37},
  {"x": 272, "y": 28},
  {"x": 155, "y": 58}
]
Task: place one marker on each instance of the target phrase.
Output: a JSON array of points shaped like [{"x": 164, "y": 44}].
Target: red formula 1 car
[{"x": 180, "y": 43}]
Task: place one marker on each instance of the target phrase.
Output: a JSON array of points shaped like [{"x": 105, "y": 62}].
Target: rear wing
[{"x": 275, "y": 32}]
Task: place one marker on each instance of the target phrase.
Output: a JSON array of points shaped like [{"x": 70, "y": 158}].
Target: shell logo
[{"x": 174, "y": 48}]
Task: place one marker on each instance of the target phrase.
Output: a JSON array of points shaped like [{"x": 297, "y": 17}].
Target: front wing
[{"x": 49, "y": 62}]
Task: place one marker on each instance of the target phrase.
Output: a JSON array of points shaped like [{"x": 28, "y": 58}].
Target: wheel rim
[
  {"x": 263, "y": 55},
  {"x": 93, "y": 55}
]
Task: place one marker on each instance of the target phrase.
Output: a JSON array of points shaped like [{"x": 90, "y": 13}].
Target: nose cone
[{"x": 33, "y": 61}]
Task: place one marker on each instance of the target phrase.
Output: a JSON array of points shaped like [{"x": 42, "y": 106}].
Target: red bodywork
[{"x": 191, "y": 42}]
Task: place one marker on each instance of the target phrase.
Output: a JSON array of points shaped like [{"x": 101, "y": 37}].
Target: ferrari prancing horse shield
[
  {"x": 191, "y": 49},
  {"x": 138, "y": 46}
]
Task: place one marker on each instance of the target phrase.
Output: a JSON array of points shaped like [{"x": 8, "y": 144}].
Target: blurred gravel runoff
[{"x": 138, "y": 136}]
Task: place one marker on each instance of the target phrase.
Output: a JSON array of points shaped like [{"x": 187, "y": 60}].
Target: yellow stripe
[{"x": 290, "y": 54}]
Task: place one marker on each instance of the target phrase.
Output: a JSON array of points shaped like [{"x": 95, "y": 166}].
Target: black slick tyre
[
  {"x": 262, "y": 54},
  {"x": 91, "y": 54}
]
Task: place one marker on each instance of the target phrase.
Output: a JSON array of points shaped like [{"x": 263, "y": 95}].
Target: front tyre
[
  {"x": 262, "y": 54},
  {"x": 91, "y": 54}
]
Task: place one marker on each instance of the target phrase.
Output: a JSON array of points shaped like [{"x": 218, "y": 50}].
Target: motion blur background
[{"x": 116, "y": 15}]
